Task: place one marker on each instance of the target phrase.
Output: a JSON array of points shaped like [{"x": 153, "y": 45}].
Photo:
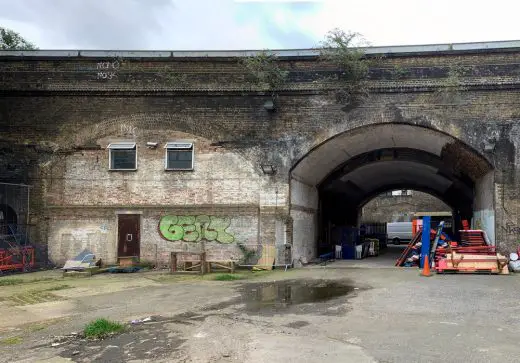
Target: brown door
[{"x": 128, "y": 228}]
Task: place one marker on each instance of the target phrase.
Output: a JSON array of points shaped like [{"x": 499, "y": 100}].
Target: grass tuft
[
  {"x": 9, "y": 282},
  {"x": 11, "y": 340},
  {"x": 33, "y": 328},
  {"x": 101, "y": 328},
  {"x": 227, "y": 277}
]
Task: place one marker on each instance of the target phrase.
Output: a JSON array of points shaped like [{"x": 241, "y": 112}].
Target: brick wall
[
  {"x": 222, "y": 184},
  {"x": 401, "y": 208},
  {"x": 59, "y": 114}
]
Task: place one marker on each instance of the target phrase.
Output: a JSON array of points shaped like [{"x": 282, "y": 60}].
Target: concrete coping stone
[{"x": 475, "y": 47}]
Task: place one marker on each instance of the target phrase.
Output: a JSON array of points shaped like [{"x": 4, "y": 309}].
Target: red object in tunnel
[{"x": 16, "y": 258}]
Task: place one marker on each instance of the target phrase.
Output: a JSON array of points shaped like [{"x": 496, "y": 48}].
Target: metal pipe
[
  {"x": 18, "y": 185},
  {"x": 27, "y": 217},
  {"x": 285, "y": 266}
]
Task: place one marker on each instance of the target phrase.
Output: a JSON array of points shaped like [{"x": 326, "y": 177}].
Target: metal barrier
[{"x": 16, "y": 250}]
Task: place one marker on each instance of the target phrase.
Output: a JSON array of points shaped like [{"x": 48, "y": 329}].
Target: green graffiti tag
[{"x": 195, "y": 228}]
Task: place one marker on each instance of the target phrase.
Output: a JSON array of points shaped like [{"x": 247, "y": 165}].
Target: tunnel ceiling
[{"x": 361, "y": 164}]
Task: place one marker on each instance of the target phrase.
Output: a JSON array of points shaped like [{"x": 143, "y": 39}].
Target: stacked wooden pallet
[
  {"x": 473, "y": 255},
  {"x": 470, "y": 263}
]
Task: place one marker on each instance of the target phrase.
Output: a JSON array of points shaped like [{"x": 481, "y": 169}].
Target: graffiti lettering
[
  {"x": 107, "y": 70},
  {"x": 108, "y": 65},
  {"x": 196, "y": 228},
  {"x": 106, "y": 75},
  {"x": 510, "y": 228},
  {"x": 128, "y": 129}
]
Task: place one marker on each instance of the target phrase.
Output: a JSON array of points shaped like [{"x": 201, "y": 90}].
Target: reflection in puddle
[{"x": 282, "y": 294}]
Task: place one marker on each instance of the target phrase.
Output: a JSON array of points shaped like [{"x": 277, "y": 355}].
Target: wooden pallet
[
  {"x": 470, "y": 263},
  {"x": 469, "y": 271}
]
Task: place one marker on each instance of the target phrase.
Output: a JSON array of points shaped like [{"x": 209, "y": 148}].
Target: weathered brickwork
[
  {"x": 58, "y": 114},
  {"x": 401, "y": 208}
]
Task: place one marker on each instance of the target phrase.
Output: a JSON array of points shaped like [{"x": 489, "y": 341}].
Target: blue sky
[{"x": 254, "y": 24}]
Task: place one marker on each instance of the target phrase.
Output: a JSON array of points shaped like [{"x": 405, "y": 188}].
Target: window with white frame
[
  {"x": 398, "y": 193},
  {"x": 179, "y": 156},
  {"x": 122, "y": 156},
  {"x": 401, "y": 192}
]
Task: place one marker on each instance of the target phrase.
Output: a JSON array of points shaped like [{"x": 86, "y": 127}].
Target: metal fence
[{"x": 17, "y": 253}]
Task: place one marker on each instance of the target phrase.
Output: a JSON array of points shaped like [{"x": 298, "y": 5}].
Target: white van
[{"x": 399, "y": 232}]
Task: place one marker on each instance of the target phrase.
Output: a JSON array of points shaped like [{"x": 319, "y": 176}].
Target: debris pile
[
  {"x": 472, "y": 254},
  {"x": 139, "y": 321},
  {"x": 85, "y": 261}
]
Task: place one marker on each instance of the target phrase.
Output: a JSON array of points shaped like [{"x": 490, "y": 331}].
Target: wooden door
[{"x": 128, "y": 232}]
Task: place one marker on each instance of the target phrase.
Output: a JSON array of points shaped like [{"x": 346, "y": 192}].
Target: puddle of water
[{"x": 283, "y": 294}]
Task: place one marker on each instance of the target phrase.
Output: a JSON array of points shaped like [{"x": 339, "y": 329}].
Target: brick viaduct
[{"x": 60, "y": 109}]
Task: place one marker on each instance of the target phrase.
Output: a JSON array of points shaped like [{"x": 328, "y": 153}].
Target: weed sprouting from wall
[
  {"x": 399, "y": 72},
  {"x": 247, "y": 254},
  {"x": 452, "y": 86},
  {"x": 264, "y": 71},
  {"x": 342, "y": 49}
]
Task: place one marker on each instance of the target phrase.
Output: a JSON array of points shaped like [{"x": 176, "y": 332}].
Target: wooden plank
[
  {"x": 465, "y": 262},
  {"x": 188, "y": 265},
  {"x": 173, "y": 262},
  {"x": 227, "y": 265},
  {"x": 127, "y": 261},
  {"x": 266, "y": 261}
]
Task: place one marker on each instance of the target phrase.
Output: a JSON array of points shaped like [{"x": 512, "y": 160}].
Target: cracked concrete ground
[{"x": 308, "y": 315}]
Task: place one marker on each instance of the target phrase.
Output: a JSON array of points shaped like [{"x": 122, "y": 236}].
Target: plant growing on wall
[
  {"x": 451, "y": 86},
  {"x": 247, "y": 254},
  {"x": 342, "y": 49},
  {"x": 264, "y": 71},
  {"x": 175, "y": 79},
  {"x": 454, "y": 80},
  {"x": 399, "y": 72}
]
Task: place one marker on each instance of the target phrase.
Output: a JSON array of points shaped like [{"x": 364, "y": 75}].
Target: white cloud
[
  {"x": 384, "y": 22},
  {"x": 229, "y": 24}
]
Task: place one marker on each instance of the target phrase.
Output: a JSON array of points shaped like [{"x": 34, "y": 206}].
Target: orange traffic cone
[{"x": 426, "y": 267}]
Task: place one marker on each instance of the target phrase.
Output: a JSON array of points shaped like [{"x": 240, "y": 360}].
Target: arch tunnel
[{"x": 334, "y": 180}]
